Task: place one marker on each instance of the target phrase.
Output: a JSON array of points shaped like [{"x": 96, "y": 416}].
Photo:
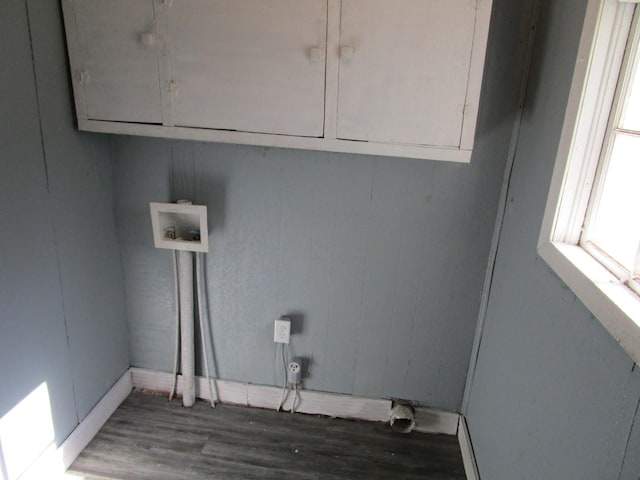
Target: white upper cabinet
[
  {"x": 115, "y": 64},
  {"x": 249, "y": 65},
  {"x": 404, "y": 67},
  {"x": 386, "y": 77}
]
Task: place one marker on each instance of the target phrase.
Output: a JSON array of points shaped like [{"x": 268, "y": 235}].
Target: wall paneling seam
[
  {"x": 502, "y": 206},
  {"x": 51, "y": 207}
]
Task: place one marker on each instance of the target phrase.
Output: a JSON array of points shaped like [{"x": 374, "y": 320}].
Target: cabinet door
[
  {"x": 404, "y": 68},
  {"x": 249, "y": 65},
  {"x": 115, "y": 61}
]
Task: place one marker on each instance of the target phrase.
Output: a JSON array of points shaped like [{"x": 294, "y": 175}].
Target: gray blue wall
[
  {"x": 62, "y": 317},
  {"x": 554, "y": 396},
  {"x": 380, "y": 261}
]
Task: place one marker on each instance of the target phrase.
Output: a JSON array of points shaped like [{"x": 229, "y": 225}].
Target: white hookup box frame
[{"x": 180, "y": 226}]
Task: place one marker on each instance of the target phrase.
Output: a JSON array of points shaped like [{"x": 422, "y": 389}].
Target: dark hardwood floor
[{"x": 149, "y": 438}]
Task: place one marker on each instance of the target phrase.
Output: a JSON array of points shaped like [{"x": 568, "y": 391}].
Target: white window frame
[{"x": 601, "y": 54}]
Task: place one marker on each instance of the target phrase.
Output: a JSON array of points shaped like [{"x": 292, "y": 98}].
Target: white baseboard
[
  {"x": 247, "y": 394},
  {"x": 312, "y": 402},
  {"x": 53, "y": 462},
  {"x": 468, "y": 458},
  {"x": 436, "y": 421}
]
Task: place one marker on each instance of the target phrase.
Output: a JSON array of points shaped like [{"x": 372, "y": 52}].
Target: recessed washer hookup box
[{"x": 180, "y": 226}]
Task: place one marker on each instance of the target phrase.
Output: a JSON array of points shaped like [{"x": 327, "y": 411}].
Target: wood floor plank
[{"x": 149, "y": 438}]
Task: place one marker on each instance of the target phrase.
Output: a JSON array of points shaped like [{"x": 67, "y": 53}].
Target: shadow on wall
[
  {"x": 190, "y": 181},
  {"x": 297, "y": 322},
  {"x": 500, "y": 47}
]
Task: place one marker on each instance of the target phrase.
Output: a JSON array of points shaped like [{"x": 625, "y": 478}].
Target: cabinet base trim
[{"x": 446, "y": 154}]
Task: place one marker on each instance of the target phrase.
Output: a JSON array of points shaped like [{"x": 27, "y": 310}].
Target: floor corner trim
[
  {"x": 54, "y": 462},
  {"x": 468, "y": 457}
]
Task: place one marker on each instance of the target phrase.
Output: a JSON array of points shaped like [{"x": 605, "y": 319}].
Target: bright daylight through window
[
  {"x": 590, "y": 234},
  {"x": 612, "y": 225}
]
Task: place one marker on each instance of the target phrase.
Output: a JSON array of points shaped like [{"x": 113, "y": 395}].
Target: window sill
[{"x": 616, "y": 306}]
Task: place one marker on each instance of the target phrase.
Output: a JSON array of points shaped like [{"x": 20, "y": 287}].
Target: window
[
  {"x": 591, "y": 230},
  {"x": 611, "y": 231}
]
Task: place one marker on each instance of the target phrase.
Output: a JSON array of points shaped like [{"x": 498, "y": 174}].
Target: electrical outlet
[
  {"x": 294, "y": 367},
  {"x": 294, "y": 371},
  {"x": 282, "y": 330}
]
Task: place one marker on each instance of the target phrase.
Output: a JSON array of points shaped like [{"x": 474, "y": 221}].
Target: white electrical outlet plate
[
  {"x": 282, "y": 331},
  {"x": 182, "y": 219}
]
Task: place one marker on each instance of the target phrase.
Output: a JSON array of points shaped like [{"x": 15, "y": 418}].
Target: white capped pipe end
[{"x": 402, "y": 419}]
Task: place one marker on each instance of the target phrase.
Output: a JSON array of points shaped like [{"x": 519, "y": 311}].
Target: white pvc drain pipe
[
  {"x": 402, "y": 419},
  {"x": 187, "y": 363}
]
